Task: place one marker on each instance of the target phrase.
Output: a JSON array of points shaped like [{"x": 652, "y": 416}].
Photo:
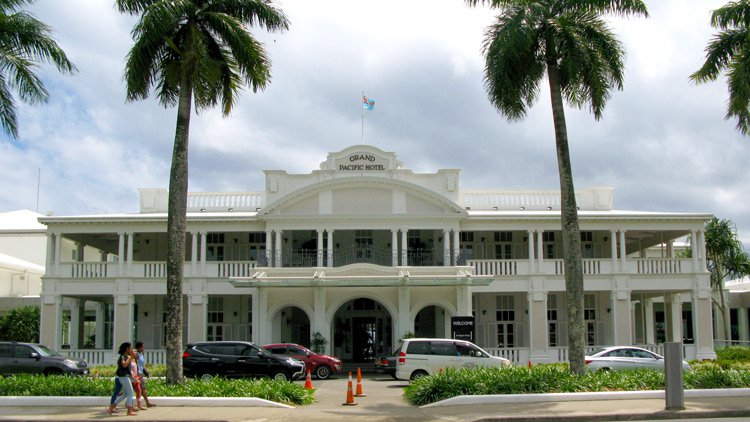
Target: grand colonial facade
[{"x": 365, "y": 251}]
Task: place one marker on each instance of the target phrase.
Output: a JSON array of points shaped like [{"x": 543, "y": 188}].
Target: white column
[
  {"x": 197, "y": 316},
  {"x": 742, "y": 324},
  {"x": 120, "y": 254},
  {"x": 123, "y": 320},
  {"x": 670, "y": 249},
  {"x": 256, "y": 313},
  {"x": 623, "y": 251},
  {"x": 695, "y": 251},
  {"x": 621, "y": 318},
  {"x": 51, "y": 321},
  {"x": 76, "y": 315},
  {"x": 673, "y": 317},
  {"x": 446, "y": 247},
  {"x": 193, "y": 253},
  {"x": 405, "y": 324},
  {"x": 538, "y": 327},
  {"x": 330, "y": 247},
  {"x": 701, "y": 251},
  {"x": 264, "y": 335},
  {"x": 539, "y": 249},
  {"x": 320, "y": 248},
  {"x": 702, "y": 321},
  {"x": 50, "y": 258},
  {"x": 463, "y": 301},
  {"x": 532, "y": 261},
  {"x": 129, "y": 258},
  {"x": 394, "y": 247},
  {"x": 613, "y": 249},
  {"x": 649, "y": 318},
  {"x": 277, "y": 252},
  {"x": 404, "y": 247},
  {"x": 319, "y": 317},
  {"x": 99, "y": 335},
  {"x": 456, "y": 246},
  {"x": 269, "y": 250},
  {"x": 203, "y": 253}
]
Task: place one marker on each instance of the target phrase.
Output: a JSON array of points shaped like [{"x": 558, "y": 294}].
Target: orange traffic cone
[
  {"x": 360, "y": 393},
  {"x": 308, "y": 381},
  {"x": 349, "y": 393},
  {"x": 529, "y": 363}
]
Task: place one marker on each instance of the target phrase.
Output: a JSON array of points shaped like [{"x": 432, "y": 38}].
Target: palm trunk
[
  {"x": 570, "y": 231},
  {"x": 176, "y": 222},
  {"x": 725, "y": 315}
]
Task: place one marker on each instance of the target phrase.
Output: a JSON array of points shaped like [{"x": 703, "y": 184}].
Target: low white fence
[{"x": 100, "y": 357}]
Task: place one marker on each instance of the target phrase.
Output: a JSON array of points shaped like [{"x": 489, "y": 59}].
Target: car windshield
[
  {"x": 46, "y": 351},
  {"x": 595, "y": 352}
]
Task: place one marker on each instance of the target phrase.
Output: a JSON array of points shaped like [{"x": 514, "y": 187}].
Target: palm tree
[
  {"x": 193, "y": 51},
  {"x": 729, "y": 51},
  {"x": 569, "y": 42},
  {"x": 24, "y": 41},
  {"x": 725, "y": 258}
]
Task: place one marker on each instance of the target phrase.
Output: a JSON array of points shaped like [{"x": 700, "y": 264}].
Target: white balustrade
[
  {"x": 662, "y": 265},
  {"x": 225, "y": 201},
  {"x": 88, "y": 269},
  {"x": 154, "y": 269},
  {"x": 512, "y": 200},
  {"x": 496, "y": 266},
  {"x": 590, "y": 266},
  {"x": 513, "y": 354},
  {"x": 93, "y": 357},
  {"x": 236, "y": 268}
]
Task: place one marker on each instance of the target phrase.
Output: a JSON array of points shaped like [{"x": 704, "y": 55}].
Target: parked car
[
  {"x": 29, "y": 358},
  {"x": 387, "y": 364},
  {"x": 237, "y": 359},
  {"x": 322, "y": 366},
  {"x": 419, "y": 357},
  {"x": 626, "y": 357}
]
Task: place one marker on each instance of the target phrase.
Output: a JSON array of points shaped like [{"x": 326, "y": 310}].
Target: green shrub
[
  {"x": 109, "y": 370},
  {"x": 733, "y": 353},
  {"x": 20, "y": 324},
  {"x": 556, "y": 378},
  {"x": 61, "y": 385}
]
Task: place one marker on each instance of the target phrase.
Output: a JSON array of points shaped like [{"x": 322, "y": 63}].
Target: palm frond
[
  {"x": 738, "y": 76},
  {"x": 261, "y": 13},
  {"x": 7, "y": 109},
  {"x": 732, "y": 15},
  {"x": 719, "y": 53},
  {"x": 615, "y": 7}
]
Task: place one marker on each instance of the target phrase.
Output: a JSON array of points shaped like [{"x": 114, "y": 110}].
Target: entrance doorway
[
  {"x": 362, "y": 331},
  {"x": 430, "y": 322},
  {"x": 294, "y": 326}
]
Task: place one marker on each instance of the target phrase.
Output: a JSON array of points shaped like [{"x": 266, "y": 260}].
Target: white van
[{"x": 419, "y": 357}]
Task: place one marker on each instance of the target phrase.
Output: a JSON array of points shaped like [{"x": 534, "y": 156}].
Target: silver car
[{"x": 626, "y": 357}]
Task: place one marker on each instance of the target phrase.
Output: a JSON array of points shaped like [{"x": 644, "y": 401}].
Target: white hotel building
[{"x": 363, "y": 251}]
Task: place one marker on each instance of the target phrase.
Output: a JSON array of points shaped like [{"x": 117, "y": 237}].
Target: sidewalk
[{"x": 384, "y": 403}]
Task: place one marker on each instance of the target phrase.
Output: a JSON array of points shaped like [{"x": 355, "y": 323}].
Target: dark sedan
[{"x": 237, "y": 359}]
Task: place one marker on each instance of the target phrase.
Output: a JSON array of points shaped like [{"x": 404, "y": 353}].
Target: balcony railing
[{"x": 377, "y": 256}]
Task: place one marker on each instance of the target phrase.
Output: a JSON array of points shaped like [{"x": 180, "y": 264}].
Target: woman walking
[{"x": 122, "y": 380}]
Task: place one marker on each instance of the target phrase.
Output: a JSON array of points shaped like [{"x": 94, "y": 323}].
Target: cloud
[{"x": 663, "y": 144}]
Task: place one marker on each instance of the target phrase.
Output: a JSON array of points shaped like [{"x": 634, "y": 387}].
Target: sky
[{"x": 663, "y": 143}]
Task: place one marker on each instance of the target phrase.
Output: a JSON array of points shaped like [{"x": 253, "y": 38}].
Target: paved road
[{"x": 385, "y": 403}]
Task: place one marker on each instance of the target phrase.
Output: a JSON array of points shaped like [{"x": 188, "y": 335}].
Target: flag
[{"x": 367, "y": 103}]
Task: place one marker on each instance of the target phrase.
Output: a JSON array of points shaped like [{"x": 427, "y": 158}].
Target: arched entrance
[
  {"x": 293, "y": 326},
  {"x": 362, "y": 331},
  {"x": 430, "y": 322}
]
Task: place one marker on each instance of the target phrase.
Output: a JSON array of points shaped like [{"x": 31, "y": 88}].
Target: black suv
[
  {"x": 237, "y": 359},
  {"x": 28, "y": 358}
]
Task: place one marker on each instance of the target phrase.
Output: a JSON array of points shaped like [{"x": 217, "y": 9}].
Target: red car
[{"x": 322, "y": 366}]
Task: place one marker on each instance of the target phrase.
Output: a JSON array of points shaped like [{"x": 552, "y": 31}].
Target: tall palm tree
[
  {"x": 24, "y": 41},
  {"x": 729, "y": 51},
  {"x": 725, "y": 258},
  {"x": 583, "y": 60},
  {"x": 189, "y": 51}
]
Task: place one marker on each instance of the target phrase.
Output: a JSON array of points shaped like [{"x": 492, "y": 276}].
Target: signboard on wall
[{"x": 462, "y": 328}]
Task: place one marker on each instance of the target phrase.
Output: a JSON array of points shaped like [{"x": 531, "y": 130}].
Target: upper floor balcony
[{"x": 497, "y": 253}]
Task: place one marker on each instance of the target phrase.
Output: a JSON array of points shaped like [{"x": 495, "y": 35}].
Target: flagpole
[{"x": 362, "y": 106}]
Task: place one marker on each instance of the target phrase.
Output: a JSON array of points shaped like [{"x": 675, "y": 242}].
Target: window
[
  {"x": 589, "y": 315},
  {"x": 6, "y": 350},
  {"x": 467, "y": 236},
  {"x": 587, "y": 245},
  {"x": 215, "y": 319},
  {"x": 552, "y": 319},
  {"x": 418, "y": 348},
  {"x": 505, "y": 316},
  {"x": 503, "y": 236},
  {"x": 503, "y": 251},
  {"x": 249, "y": 351},
  {"x": 444, "y": 348},
  {"x": 22, "y": 352},
  {"x": 548, "y": 236},
  {"x": 587, "y": 236},
  {"x": 256, "y": 237},
  {"x": 215, "y": 247}
]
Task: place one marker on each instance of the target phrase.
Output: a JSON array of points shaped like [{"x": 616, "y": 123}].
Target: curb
[
  {"x": 31, "y": 401},
  {"x": 558, "y": 397}
]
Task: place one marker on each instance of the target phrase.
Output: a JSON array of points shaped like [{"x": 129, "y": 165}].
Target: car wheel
[
  {"x": 417, "y": 375},
  {"x": 323, "y": 372},
  {"x": 53, "y": 371},
  {"x": 281, "y": 376},
  {"x": 206, "y": 377},
  {"x": 604, "y": 369}
]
